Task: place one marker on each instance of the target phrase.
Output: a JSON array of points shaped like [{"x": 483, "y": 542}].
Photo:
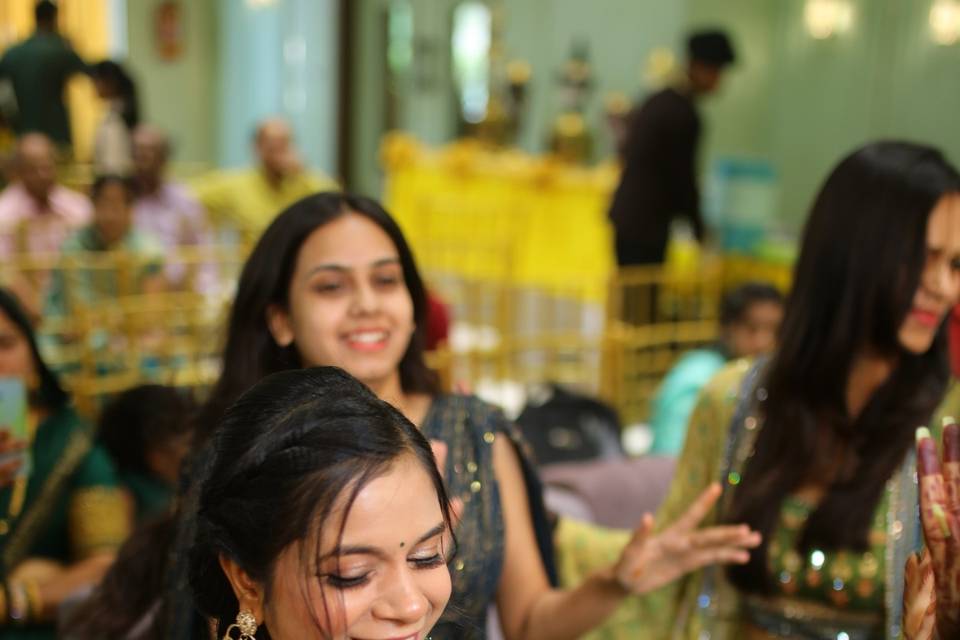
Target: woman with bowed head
[{"x": 322, "y": 515}]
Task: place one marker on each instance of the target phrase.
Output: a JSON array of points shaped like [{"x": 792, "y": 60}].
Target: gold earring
[{"x": 245, "y": 624}]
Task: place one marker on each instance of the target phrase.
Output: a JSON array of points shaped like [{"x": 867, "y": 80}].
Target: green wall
[
  {"x": 620, "y": 34},
  {"x": 804, "y": 103},
  {"x": 798, "y": 102},
  {"x": 739, "y": 119},
  {"x": 424, "y": 104},
  {"x": 180, "y": 96}
]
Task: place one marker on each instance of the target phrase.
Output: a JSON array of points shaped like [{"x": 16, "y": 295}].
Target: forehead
[
  {"x": 274, "y": 134},
  {"x": 943, "y": 226},
  {"x": 400, "y": 505},
  {"x": 148, "y": 141},
  {"x": 112, "y": 190},
  {"x": 351, "y": 239},
  {"x": 36, "y": 154},
  {"x": 764, "y": 309}
]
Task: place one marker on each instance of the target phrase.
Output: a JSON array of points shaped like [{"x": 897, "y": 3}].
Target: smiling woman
[
  {"x": 303, "y": 530},
  {"x": 814, "y": 444}
]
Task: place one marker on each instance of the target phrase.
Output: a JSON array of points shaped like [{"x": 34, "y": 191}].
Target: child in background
[{"x": 147, "y": 430}]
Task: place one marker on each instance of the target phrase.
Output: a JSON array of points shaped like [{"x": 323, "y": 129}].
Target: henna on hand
[{"x": 940, "y": 517}]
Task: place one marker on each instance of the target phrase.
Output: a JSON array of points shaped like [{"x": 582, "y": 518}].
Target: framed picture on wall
[{"x": 168, "y": 30}]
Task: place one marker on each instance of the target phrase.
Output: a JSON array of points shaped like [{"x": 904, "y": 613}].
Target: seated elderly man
[
  {"x": 165, "y": 209},
  {"x": 248, "y": 200},
  {"x": 36, "y": 215},
  {"x": 36, "y": 212}
]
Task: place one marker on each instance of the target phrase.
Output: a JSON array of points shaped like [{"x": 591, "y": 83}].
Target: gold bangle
[
  {"x": 34, "y": 603},
  {"x": 3, "y": 606},
  {"x": 18, "y": 603}
]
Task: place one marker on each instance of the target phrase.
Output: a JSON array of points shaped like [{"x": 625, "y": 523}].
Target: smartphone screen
[{"x": 13, "y": 417}]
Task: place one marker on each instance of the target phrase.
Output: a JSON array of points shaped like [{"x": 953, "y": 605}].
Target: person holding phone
[{"x": 62, "y": 515}]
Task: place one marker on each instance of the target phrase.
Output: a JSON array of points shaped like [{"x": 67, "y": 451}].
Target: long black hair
[
  {"x": 286, "y": 452},
  {"x": 141, "y": 418},
  {"x": 48, "y": 394},
  {"x": 862, "y": 257},
  {"x": 250, "y": 352},
  {"x": 117, "y": 77}
]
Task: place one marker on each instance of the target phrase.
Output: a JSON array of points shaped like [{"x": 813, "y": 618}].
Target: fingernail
[
  {"x": 927, "y": 460},
  {"x": 941, "y": 517}
]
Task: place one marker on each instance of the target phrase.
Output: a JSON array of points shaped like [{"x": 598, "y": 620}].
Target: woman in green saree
[
  {"x": 815, "y": 446},
  {"x": 61, "y": 524}
]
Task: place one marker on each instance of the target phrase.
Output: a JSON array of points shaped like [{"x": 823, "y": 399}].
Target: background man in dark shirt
[
  {"x": 659, "y": 156},
  {"x": 39, "y": 68}
]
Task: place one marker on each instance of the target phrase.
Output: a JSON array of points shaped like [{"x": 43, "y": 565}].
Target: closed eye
[
  {"x": 428, "y": 563},
  {"x": 343, "y": 583}
]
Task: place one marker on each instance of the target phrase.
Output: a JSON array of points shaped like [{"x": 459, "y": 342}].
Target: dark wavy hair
[
  {"x": 114, "y": 74},
  {"x": 143, "y": 417},
  {"x": 103, "y": 181},
  {"x": 251, "y": 352},
  {"x": 49, "y": 394},
  {"x": 736, "y": 303},
  {"x": 863, "y": 253},
  {"x": 286, "y": 453}
]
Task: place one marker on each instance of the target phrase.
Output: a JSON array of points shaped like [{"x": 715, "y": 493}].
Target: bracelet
[
  {"x": 18, "y": 604},
  {"x": 34, "y": 603},
  {"x": 3, "y": 606}
]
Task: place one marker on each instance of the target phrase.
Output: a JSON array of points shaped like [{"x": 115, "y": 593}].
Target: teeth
[{"x": 368, "y": 337}]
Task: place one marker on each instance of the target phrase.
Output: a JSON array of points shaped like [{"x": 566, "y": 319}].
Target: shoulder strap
[{"x": 38, "y": 513}]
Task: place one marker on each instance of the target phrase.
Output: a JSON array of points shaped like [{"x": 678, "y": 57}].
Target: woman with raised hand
[{"x": 814, "y": 445}]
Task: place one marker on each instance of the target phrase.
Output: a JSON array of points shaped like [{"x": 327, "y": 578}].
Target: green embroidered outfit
[{"x": 833, "y": 595}]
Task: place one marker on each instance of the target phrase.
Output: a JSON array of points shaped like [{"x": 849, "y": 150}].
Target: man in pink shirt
[
  {"x": 36, "y": 213},
  {"x": 166, "y": 210},
  {"x": 36, "y": 216}
]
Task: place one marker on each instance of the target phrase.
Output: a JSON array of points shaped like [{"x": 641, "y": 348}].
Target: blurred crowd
[{"x": 325, "y": 481}]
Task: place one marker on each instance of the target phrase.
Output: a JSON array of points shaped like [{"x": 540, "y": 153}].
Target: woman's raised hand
[{"x": 650, "y": 561}]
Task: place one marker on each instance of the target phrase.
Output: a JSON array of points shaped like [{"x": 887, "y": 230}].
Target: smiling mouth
[
  {"x": 925, "y": 317},
  {"x": 367, "y": 340}
]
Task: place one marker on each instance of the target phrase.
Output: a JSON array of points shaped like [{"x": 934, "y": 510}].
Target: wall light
[
  {"x": 825, "y": 18},
  {"x": 945, "y": 22}
]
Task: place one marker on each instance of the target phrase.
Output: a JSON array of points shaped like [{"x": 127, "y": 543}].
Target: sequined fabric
[
  {"x": 470, "y": 427},
  {"x": 704, "y": 605}
]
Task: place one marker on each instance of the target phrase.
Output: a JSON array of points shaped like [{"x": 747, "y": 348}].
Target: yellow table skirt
[
  {"x": 530, "y": 221},
  {"x": 545, "y": 221}
]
